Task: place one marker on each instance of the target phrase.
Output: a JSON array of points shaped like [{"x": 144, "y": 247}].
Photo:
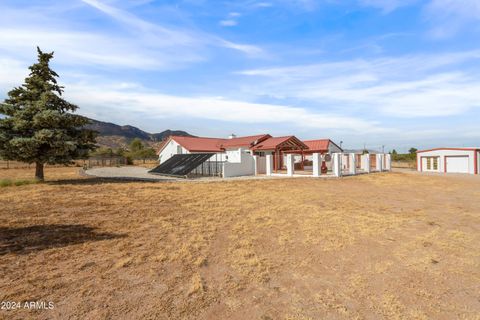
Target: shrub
[
  {"x": 5, "y": 183},
  {"x": 24, "y": 182},
  {"x": 8, "y": 182}
]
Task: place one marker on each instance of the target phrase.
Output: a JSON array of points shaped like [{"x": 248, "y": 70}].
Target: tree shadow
[{"x": 25, "y": 240}]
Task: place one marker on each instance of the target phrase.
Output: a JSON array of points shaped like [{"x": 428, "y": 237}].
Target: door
[
  {"x": 457, "y": 164},
  {"x": 430, "y": 164}
]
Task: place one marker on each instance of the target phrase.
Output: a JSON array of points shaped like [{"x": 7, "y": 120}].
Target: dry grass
[{"x": 392, "y": 246}]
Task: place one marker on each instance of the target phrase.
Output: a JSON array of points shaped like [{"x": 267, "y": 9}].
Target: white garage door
[{"x": 457, "y": 164}]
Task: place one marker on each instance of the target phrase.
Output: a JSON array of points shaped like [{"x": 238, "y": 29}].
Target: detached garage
[{"x": 449, "y": 160}]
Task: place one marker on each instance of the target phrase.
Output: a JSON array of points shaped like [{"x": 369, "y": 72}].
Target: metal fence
[
  {"x": 114, "y": 161},
  {"x": 7, "y": 164},
  {"x": 209, "y": 168},
  {"x": 89, "y": 163}
]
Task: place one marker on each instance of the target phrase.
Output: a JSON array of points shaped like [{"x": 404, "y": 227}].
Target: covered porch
[{"x": 278, "y": 148}]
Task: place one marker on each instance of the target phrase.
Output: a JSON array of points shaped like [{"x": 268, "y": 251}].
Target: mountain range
[{"x": 114, "y": 136}]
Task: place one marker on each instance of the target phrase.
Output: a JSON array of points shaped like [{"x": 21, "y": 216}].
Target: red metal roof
[
  {"x": 273, "y": 142},
  {"x": 198, "y": 144},
  {"x": 246, "y": 141},
  {"x": 202, "y": 144},
  {"x": 320, "y": 144}
]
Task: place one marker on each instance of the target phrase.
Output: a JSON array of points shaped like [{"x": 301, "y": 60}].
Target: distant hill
[{"x": 114, "y": 136}]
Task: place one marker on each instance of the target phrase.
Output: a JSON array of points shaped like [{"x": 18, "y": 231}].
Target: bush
[
  {"x": 24, "y": 182},
  {"x": 5, "y": 183},
  {"x": 8, "y": 182}
]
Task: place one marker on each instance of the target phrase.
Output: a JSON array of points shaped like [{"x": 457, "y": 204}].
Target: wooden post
[{"x": 303, "y": 159}]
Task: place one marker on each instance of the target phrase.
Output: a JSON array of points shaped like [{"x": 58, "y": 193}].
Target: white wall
[
  {"x": 234, "y": 155},
  {"x": 261, "y": 165},
  {"x": 421, "y": 158},
  {"x": 337, "y": 164},
  {"x": 333, "y": 148},
  {"x": 169, "y": 150},
  {"x": 317, "y": 164},
  {"x": 246, "y": 167}
]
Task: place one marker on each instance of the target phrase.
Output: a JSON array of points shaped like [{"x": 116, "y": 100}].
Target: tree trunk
[{"x": 39, "y": 171}]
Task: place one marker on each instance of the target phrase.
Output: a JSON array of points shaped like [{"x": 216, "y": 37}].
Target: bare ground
[{"x": 379, "y": 246}]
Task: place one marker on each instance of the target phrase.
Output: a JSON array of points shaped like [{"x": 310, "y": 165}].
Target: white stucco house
[
  {"x": 263, "y": 154},
  {"x": 449, "y": 160},
  {"x": 229, "y": 149}
]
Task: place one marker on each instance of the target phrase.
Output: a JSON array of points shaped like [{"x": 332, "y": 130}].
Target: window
[
  {"x": 435, "y": 163},
  {"x": 179, "y": 150},
  {"x": 429, "y": 166}
]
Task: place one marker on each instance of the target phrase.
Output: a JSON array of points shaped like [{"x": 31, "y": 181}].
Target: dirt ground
[{"x": 379, "y": 246}]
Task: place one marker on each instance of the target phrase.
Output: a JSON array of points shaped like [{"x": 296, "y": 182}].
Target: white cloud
[
  {"x": 85, "y": 48},
  {"x": 409, "y": 86},
  {"x": 387, "y": 6},
  {"x": 228, "y": 23},
  {"x": 245, "y": 48},
  {"x": 449, "y": 17},
  {"x": 263, "y": 4},
  {"x": 13, "y": 71},
  {"x": 158, "y": 106},
  {"x": 231, "y": 20},
  {"x": 159, "y": 32},
  {"x": 134, "y": 44}
]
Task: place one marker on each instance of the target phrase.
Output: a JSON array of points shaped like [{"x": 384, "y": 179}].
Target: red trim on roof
[
  {"x": 275, "y": 142},
  {"x": 320, "y": 144},
  {"x": 317, "y": 146},
  {"x": 460, "y": 149},
  {"x": 203, "y": 144},
  {"x": 246, "y": 141}
]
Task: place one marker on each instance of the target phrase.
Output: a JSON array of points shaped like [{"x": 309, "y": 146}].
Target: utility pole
[{"x": 383, "y": 149}]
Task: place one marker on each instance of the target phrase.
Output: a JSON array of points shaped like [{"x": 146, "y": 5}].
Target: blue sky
[{"x": 398, "y": 73}]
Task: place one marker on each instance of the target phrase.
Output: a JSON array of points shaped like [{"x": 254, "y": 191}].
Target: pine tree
[{"x": 39, "y": 125}]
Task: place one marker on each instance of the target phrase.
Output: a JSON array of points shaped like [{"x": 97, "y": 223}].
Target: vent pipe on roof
[{"x": 232, "y": 136}]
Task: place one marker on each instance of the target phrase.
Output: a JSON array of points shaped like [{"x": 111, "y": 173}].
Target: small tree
[
  {"x": 139, "y": 151},
  {"x": 413, "y": 153},
  {"x": 103, "y": 151},
  {"x": 148, "y": 153},
  {"x": 136, "y": 145},
  {"x": 39, "y": 126}
]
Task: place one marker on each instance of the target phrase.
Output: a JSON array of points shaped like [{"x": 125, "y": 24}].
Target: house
[
  {"x": 449, "y": 160},
  {"x": 264, "y": 154},
  {"x": 221, "y": 149}
]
